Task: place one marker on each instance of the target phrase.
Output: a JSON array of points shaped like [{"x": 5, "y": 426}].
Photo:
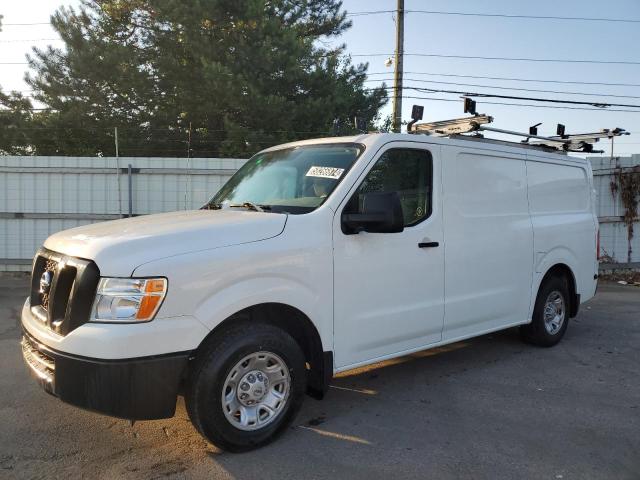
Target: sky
[{"x": 603, "y": 41}]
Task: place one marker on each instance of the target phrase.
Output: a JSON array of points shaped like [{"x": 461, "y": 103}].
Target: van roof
[{"x": 378, "y": 139}]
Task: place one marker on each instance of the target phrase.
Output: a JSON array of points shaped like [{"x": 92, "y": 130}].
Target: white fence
[{"x": 42, "y": 195}]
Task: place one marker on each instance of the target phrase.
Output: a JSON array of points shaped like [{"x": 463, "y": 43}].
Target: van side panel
[
  {"x": 563, "y": 221},
  {"x": 488, "y": 242}
]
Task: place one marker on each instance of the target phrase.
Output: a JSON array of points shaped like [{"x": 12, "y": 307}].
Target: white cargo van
[{"x": 316, "y": 257}]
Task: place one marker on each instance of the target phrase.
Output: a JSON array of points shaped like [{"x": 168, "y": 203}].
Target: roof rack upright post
[{"x": 416, "y": 114}]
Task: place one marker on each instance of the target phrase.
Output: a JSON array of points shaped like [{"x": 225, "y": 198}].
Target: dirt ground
[
  {"x": 630, "y": 277},
  {"x": 490, "y": 408}
]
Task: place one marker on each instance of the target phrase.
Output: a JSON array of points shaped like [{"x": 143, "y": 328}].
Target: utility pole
[{"x": 397, "y": 78}]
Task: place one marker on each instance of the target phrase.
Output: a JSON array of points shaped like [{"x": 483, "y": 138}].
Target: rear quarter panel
[{"x": 564, "y": 224}]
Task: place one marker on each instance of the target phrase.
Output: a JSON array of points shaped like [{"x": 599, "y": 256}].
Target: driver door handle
[{"x": 428, "y": 244}]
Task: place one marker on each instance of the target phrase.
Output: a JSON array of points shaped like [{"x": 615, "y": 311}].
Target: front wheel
[
  {"x": 550, "y": 314},
  {"x": 246, "y": 387}
]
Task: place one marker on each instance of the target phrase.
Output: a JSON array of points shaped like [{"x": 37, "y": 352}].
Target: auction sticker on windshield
[{"x": 325, "y": 172}]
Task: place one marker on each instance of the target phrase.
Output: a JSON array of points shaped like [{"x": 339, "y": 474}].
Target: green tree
[
  {"x": 239, "y": 75},
  {"x": 16, "y": 124}
]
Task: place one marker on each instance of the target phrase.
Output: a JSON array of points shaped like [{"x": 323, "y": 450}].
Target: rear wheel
[
  {"x": 246, "y": 387},
  {"x": 550, "y": 313}
]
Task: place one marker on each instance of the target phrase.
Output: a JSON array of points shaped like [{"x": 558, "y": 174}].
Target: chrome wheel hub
[
  {"x": 256, "y": 390},
  {"x": 252, "y": 387},
  {"x": 554, "y": 312}
]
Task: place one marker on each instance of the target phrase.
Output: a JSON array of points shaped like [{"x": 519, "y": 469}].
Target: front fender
[
  {"x": 222, "y": 304},
  {"x": 211, "y": 286}
]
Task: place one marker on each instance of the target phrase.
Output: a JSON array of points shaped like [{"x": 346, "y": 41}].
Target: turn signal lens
[
  {"x": 156, "y": 285},
  {"x": 148, "y": 307},
  {"x": 128, "y": 300}
]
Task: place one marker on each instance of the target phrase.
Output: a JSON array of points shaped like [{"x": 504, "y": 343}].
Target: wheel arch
[
  {"x": 297, "y": 324},
  {"x": 563, "y": 270}
]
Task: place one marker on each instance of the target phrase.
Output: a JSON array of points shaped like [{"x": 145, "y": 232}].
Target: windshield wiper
[
  {"x": 211, "y": 206},
  {"x": 250, "y": 206}
]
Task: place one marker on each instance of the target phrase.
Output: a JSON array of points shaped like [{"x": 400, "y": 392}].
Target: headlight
[{"x": 128, "y": 299}]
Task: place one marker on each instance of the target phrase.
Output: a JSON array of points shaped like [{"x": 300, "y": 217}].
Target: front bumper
[{"x": 137, "y": 388}]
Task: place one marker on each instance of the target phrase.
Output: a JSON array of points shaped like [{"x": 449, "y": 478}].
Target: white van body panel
[
  {"x": 295, "y": 270},
  {"x": 118, "y": 246},
  {"x": 488, "y": 241},
  {"x": 389, "y": 294},
  {"x": 564, "y": 220},
  {"x": 112, "y": 342},
  {"x": 484, "y": 276}
]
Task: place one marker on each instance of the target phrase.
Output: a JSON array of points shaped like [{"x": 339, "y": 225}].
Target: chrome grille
[
  {"x": 50, "y": 266},
  {"x": 62, "y": 290}
]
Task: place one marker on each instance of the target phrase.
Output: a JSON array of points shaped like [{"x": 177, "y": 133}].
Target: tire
[
  {"x": 546, "y": 331},
  {"x": 254, "y": 361}
]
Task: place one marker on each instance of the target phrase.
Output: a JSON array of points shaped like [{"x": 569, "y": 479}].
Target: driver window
[{"x": 407, "y": 171}]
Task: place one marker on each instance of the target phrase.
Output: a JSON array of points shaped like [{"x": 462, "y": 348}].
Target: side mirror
[{"x": 381, "y": 213}]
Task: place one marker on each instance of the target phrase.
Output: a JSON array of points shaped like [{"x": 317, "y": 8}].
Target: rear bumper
[{"x": 138, "y": 388}]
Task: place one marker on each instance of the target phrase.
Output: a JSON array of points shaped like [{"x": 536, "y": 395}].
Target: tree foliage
[{"x": 235, "y": 76}]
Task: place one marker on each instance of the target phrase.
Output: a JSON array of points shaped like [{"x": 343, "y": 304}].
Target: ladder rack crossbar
[
  {"x": 457, "y": 127},
  {"x": 454, "y": 126},
  {"x": 522, "y": 134}
]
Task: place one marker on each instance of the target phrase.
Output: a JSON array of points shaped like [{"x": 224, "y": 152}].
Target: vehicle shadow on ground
[{"x": 364, "y": 413}]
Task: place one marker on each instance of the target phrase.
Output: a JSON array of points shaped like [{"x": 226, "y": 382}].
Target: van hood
[{"x": 119, "y": 246}]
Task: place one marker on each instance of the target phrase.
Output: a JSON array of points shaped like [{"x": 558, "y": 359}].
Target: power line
[
  {"x": 196, "y": 136},
  {"x": 371, "y": 12},
  {"x": 598, "y": 104},
  {"x": 457, "y": 100},
  {"x": 610, "y": 95},
  {"x": 470, "y": 57},
  {"x": 24, "y": 24},
  {"x": 29, "y": 110},
  {"x": 24, "y": 40},
  {"x": 531, "y": 99},
  {"x": 481, "y": 77},
  {"x": 526, "y": 105},
  {"x": 438, "y": 55},
  {"x": 574, "y": 82},
  {"x": 601, "y": 105},
  {"x": 498, "y": 15},
  {"x": 509, "y": 59},
  {"x": 435, "y": 12}
]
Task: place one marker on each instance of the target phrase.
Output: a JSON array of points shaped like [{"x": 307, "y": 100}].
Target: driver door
[{"x": 388, "y": 287}]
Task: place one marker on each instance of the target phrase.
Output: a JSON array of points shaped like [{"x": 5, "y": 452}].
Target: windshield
[{"x": 293, "y": 180}]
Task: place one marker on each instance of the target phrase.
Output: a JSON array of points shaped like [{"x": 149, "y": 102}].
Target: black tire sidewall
[
  {"x": 537, "y": 333},
  {"x": 205, "y": 389}
]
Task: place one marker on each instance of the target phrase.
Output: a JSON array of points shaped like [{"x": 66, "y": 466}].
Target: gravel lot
[{"x": 490, "y": 407}]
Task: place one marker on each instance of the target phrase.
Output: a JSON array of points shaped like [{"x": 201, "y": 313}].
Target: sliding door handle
[{"x": 428, "y": 244}]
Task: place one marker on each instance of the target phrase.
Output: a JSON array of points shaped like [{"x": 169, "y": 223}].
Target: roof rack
[{"x": 580, "y": 142}]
